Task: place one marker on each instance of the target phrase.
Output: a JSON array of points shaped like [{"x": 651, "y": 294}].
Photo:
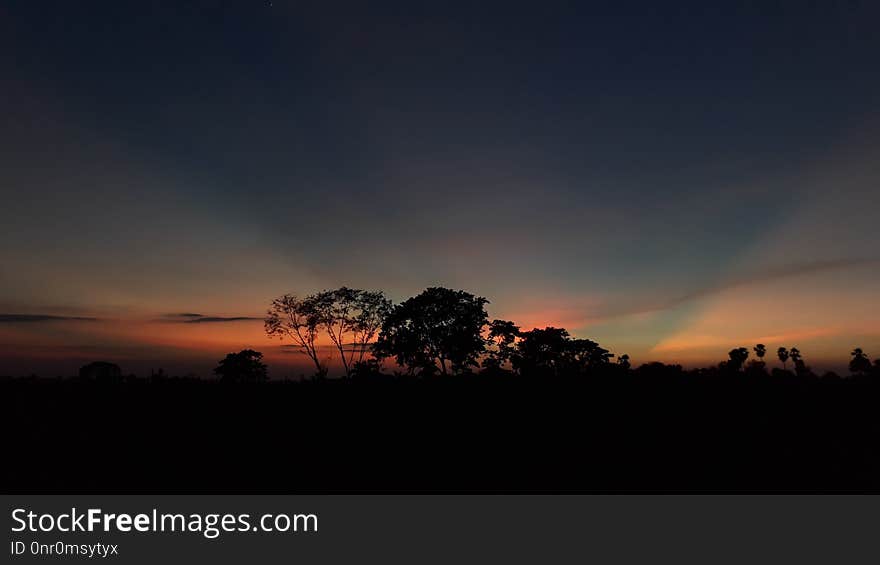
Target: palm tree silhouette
[
  {"x": 795, "y": 355},
  {"x": 783, "y": 355},
  {"x": 738, "y": 357},
  {"x": 760, "y": 351}
]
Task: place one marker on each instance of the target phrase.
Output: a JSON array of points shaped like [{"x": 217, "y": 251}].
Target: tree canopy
[
  {"x": 246, "y": 366},
  {"x": 439, "y": 330}
]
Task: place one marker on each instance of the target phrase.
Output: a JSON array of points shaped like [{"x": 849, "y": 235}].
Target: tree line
[
  {"x": 438, "y": 332},
  {"x": 448, "y": 332}
]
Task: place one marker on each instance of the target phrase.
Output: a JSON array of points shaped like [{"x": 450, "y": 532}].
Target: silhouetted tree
[
  {"x": 800, "y": 366},
  {"x": 553, "y": 350},
  {"x": 585, "y": 354},
  {"x": 738, "y": 358},
  {"x": 440, "y": 329},
  {"x": 797, "y": 359},
  {"x": 351, "y": 317},
  {"x": 541, "y": 350},
  {"x": 502, "y": 337},
  {"x": 623, "y": 361},
  {"x": 372, "y": 308},
  {"x": 760, "y": 351},
  {"x": 300, "y": 321},
  {"x": 246, "y": 366},
  {"x": 860, "y": 364},
  {"x": 783, "y": 355}
]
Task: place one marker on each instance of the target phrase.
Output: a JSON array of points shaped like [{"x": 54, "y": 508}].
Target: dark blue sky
[{"x": 616, "y": 167}]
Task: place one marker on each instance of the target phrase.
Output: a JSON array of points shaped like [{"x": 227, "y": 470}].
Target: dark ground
[{"x": 470, "y": 433}]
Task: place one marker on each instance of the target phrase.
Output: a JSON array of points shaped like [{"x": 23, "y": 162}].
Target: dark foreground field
[{"x": 472, "y": 433}]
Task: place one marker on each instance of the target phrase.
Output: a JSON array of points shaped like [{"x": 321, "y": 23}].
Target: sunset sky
[{"x": 671, "y": 181}]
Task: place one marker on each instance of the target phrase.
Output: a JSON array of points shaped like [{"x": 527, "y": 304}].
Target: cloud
[
  {"x": 689, "y": 342},
  {"x": 34, "y": 318},
  {"x": 784, "y": 272},
  {"x": 213, "y": 319},
  {"x": 788, "y": 271},
  {"x": 192, "y": 318}
]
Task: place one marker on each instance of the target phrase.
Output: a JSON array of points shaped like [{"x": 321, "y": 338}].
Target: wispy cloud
[
  {"x": 784, "y": 272},
  {"x": 213, "y": 319},
  {"x": 736, "y": 281},
  {"x": 35, "y": 318},
  {"x": 690, "y": 342},
  {"x": 192, "y": 318}
]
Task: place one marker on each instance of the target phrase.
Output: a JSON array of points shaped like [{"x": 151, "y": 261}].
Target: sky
[{"x": 669, "y": 179}]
